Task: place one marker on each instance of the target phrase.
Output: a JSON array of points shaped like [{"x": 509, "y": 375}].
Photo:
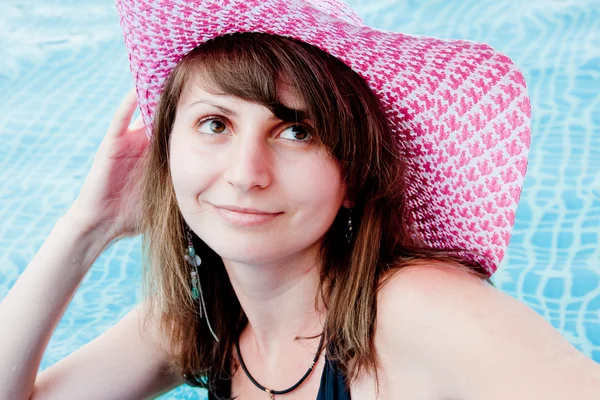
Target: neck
[{"x": 281, "y": 299}]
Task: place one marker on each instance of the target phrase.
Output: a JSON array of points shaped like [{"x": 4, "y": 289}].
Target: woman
[{"x": 293, "y": 251}]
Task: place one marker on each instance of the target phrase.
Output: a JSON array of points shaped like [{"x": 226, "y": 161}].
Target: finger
[
  {"x": 122, "y": 116},
  {"x": 138, "y": 123}
]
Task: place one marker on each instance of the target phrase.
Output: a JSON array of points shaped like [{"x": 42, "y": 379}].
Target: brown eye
[
  {"x": 299, "y": 133},
  {"x": 215, "y": 126}
]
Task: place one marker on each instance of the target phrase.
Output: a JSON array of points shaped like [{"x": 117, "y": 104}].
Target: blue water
[{"x": 63, "y": 71}]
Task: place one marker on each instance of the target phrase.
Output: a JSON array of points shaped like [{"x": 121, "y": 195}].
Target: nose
[{"x": 248, "y": 163}]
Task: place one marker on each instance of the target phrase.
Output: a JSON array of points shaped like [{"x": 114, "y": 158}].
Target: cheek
[
  {"x": 320, "y": 188},
  {"x": 189, "y": 174}
]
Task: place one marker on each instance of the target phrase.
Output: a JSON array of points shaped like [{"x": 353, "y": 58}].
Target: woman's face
[{"x": 227, "y": 152}]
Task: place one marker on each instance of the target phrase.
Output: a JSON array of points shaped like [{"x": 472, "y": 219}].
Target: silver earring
[
  {"x": 194, "y": 260},
  {"x": 349, "y": 233}
]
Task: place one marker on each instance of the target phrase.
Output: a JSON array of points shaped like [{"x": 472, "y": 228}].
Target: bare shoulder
[{"x": 473, "y": 341}]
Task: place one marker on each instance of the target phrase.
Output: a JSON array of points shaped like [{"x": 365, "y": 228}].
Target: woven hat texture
[{"x": 458, "y": 109}]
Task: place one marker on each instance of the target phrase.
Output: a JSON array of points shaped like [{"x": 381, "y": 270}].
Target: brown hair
[{"x": 353, "y": 127}]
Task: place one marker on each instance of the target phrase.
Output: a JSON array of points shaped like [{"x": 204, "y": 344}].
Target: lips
[
  {"x": 244, "y": 217},
  {"x": 245, "y": 210}
]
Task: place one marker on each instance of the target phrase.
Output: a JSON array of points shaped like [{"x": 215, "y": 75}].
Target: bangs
[{"x": 254, "y": 66}]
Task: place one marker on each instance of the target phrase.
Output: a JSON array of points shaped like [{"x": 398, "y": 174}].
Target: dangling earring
[
  {"x": 349, "y": 234},
  {"x": 194, "y": 260}
]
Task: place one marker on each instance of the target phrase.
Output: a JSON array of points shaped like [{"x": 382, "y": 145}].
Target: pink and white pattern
[{"x": 458, "y": 109}]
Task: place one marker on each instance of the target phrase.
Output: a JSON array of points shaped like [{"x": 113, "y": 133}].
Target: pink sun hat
[{"x": 458, "y": 109}]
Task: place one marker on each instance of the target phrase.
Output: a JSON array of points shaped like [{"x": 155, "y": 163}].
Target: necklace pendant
[{"x": 270, "y": 393}]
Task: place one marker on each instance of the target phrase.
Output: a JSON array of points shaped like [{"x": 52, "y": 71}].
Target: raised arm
[{"x": 125, "y": 362}]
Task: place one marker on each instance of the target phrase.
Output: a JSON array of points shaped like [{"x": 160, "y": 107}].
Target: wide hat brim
[{"x": 458, "y": 109}]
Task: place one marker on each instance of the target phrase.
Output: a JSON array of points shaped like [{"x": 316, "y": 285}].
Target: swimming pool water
[{"x": 63, "y": 71}]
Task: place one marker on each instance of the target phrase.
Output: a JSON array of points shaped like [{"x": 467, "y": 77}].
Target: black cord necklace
[{"x": 272, "y": 392}]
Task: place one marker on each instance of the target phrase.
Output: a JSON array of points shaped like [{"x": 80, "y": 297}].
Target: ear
[{"x": 347, "y": 202}]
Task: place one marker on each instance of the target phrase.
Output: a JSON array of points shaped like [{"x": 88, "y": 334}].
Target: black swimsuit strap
[{"x": 333, "y": 383}]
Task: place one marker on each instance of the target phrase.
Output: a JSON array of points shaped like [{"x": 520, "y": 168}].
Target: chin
[
  {"x": 245, "y": 251},
  {"x": 253, "y": 252}
]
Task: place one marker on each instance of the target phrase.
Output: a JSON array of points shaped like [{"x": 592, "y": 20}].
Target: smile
[{"x": 240, "y": 218}]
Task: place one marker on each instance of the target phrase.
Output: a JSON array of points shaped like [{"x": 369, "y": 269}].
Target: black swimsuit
[{"x": 332, "y": 385}]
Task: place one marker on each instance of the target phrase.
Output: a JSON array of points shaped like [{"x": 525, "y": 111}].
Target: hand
[{"x": 108, "y": 200}]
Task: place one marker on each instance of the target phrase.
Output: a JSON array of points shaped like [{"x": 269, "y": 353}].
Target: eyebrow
[{"x": 279, "y": 112}]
